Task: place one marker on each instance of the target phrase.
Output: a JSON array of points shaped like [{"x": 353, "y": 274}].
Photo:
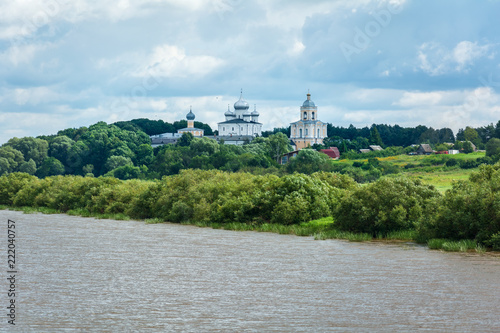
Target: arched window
[
  {"x": 313, "y": 116},
  {"x": 300, "y": 131},
  {"x": 318, "y": 132},
  {"x": 307, "y": 132},
  {"x": 305, "y": 115}
]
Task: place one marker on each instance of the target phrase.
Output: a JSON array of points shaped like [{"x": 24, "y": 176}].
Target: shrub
[
  {"x": 385, "y": 206},
  {"x": 469, "y": 210}
]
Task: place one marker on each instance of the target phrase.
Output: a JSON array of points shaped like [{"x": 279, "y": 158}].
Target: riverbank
[{"x": 320, "y": 229}]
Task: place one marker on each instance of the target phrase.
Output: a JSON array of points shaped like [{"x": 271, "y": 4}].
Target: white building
[
  {"x": 308, "y": 130},
  {"x": 240, "y": 125}
]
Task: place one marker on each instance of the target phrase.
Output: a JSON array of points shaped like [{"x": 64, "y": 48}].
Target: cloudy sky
[{"x": 71, "y": 63}]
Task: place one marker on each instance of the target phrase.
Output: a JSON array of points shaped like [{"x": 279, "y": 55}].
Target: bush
[
  {"x": 11, "y": 184},
  {"x": 469, "y": 210},
  {"x": 386, "y": 205},
  {"x": 451, "y": 162}
]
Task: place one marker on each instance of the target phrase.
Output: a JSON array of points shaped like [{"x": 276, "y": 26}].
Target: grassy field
[{"x": 439, "y": 175}]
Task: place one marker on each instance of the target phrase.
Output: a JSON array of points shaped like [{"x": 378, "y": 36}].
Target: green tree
[
  {"x": 308, "y": 161},
  {"x": 10, "y": 159},
  {"x": 59, "y": 147},
  {"x": 375, "y": 138},
  {"x": 114, "y": 162},
  {"x": 470, "y": 134},
  {"x": 144, "y": 154},
  {"x": 278, "y": 144},
  {"x": 51, "y": 166},
  {"x": 493, "y": 147},
  {"x": 28, "y": 167},
  {"x": 199, "y": 146},
  {"x": 185, "y": 140},
  {"x": 467, "y": 147},
  {"x": 387, "y": 205},
  {"x": 31, "y": 148}
]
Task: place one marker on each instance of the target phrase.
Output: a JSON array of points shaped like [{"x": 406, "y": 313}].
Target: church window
[
  {"x": 307, "y": 132},
  {"x": 300, "y": 131},
  {"x": 232, "y": 129},
  {"x": 318, "y": 132},
  {"x": 305, "y": 115},
  {"x": 313, "y": 116}
]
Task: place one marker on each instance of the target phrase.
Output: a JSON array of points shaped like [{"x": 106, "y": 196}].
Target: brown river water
[{"x": 86, "y": 275}]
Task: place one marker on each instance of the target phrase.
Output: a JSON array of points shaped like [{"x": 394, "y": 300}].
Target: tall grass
[
  {"x": 463, "y": 245},
  {"x": 336, "y": 234}
]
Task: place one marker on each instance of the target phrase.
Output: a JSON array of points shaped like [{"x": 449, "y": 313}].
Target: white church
[{"x": 241, "y": 125}]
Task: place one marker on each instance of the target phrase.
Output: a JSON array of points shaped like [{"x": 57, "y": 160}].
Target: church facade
[
  {"x": 309, "y": 129},
  {"x": 241, "y": 125}
]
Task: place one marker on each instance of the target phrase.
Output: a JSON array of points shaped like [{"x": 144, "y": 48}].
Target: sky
[{"x": 72, "y": 63}]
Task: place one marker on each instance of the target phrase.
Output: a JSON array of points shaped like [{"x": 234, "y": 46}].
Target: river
[{"x": 81, "y": 274}]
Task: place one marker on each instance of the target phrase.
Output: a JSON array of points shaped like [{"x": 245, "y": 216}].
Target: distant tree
[
  {"x": 278, "y": 145},
  {"x": 461, "y": 135},
  {"x": 486, "y": 132},
  {"x": 144, "y": 154},
  {"x": 51, "y": 166},
  {"x": 28, "y": 167},
  {"x": 31, "y": 148},
  {"x": 441, "y": 147},
  {"x": 375, "y": 138},
  {"x": 467, "y": 147},
  {"x": 11, "y": 159},
  {"x": 470, "y": 134},
  {"x": 89, "y": 168},
  {"x": 73, "y": 133},
  {"x": 497, "y": 130},
  {"x": 185, "y": 140},
  {"x": 308, "y": 161},
  {"x": 493, "y": 147},
  {"x": 203, "y": 145},
  {"x": 114, "y": 162},
  {"x": 60, "y": 146},
  {"x": 446, "y": 135}
]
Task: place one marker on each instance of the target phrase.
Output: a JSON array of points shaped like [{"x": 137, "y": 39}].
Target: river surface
[{"x": 82, "y": 274}]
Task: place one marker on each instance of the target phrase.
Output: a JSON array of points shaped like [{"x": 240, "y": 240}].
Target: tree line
[
  {"x": 468, "y": 211},
  {"x": 123, "y": 150}
]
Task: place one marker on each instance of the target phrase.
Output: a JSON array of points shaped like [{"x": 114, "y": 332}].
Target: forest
[{"x": 123, "y": 150}]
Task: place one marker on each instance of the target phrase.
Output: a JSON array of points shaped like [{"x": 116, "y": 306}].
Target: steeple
[{"x": 190, "y": 117}]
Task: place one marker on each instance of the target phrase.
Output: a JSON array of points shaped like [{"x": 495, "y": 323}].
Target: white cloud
[
  {"x": 172, "y": 61},
  {"x": 435, "y": 59},
  {"x": 411, "y": 99},
  {"x": 20, "y": 54},
  {"x": 296, "y": 49},
  {"x": 34, "y": 96},
  {"x": 466, "y": 52}
]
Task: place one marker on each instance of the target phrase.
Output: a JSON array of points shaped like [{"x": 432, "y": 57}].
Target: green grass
[
  {"x": 440, "y": 176},
  {"x": 336, "y": 234},
  {"x": 435, "y": 243},
  {"x": 406, "y": 235},
  {"x": 463, "y": 245},
  {"x": 80, "y": 212},
  {"x": 153, "y": 221}
]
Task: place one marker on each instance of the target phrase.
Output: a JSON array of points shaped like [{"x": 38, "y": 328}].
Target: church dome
[
  {"x": 228, "y": 112},
  {"x": 254, "y": 112},
  {"x": 241, "y": 104},
  {"x": 308, "y": 103},
  {"x": 190, "y": 115}
]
